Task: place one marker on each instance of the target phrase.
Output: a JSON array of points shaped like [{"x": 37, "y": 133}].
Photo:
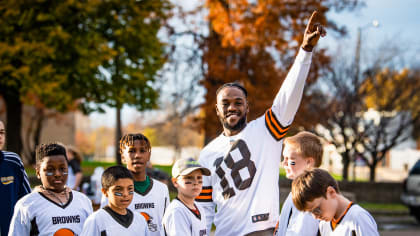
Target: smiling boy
[
  {"x": 116, "y": 218},
  {"x": 53, "y": 208},
  {"x": 150, "y": 197}
]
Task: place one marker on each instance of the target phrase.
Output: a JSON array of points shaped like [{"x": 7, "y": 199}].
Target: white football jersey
[
  {"x": 35, "y": 214},
  {"x": 102, "y": 223},
  {"x": 180, "y": 220},
  {"x": 294, "y": 222},
  {"x": 245, "y": 167},
  {"x": 357, "y": 221},
  {"x": 152, "y": 205}
]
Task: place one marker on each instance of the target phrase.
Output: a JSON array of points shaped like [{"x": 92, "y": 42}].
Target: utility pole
[{"x": 375, "y": 24}]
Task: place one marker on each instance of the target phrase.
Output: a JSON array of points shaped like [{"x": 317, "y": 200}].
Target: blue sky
[{"x": 399, "y": 23}]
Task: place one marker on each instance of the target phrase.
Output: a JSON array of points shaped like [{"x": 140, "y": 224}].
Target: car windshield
[{"x": 416, "y": 169}]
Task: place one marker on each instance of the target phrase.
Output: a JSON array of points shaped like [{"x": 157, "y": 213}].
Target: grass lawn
[
  {"x": 382, "y": 207},
  {"x": 89, "y": 166}
]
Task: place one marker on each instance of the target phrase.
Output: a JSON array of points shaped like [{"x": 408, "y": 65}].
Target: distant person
[
  {"x": 75, "y": 171},
  {"x": 301, "y": 152},
  {"x": 245, "y": 158},
  {"x": 157, "y": 174},
  {"x": 151, "y": 197},
  {"x": 183, "y": 216},
  {"x": 317, "y": 192},
  {"x": 116, "y": 219},
  {"x": 53, "y": 208},
  {"x": 14, "y": 182}
]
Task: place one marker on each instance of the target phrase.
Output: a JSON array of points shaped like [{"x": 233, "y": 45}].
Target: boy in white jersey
[
  {"x": 53, "y": 208},
  {"x": 245, "y": 158},
  {"x": 183, "y": 216},
  {"x": 116, "y": 219},
  {"x": 301, "y": 152},
  {"x": 317, "y": 192},
  {"x": 151, "y": 197}
]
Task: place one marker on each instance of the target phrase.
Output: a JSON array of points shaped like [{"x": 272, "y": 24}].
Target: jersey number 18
[{"x": 243, "y": 162}]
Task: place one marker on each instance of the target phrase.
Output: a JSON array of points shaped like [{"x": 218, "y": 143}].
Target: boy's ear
[
  {"x": 310, "y": 162},
  {"x": 104, "y": 192},
  {"x": 174, "y": 182},
  {"x": 38, "y": 175},
  {"x": 331, "y": 193}
]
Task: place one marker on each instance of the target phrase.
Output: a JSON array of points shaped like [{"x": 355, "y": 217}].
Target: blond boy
[
  {"x": 183, "y": 216},
  {"x": 301, "y": 152}
]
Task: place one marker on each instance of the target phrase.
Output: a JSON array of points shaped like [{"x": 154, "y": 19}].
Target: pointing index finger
[{"x": 312, "y": 20}]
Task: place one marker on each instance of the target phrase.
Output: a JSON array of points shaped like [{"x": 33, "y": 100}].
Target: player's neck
[
  {"x": 139, "y": 176},
  {"x": 188, "y": 201},
  {"x": 343, "y": 203},
  {"x": 230, "y": 132},
  {"x": 119, "y": 210}
]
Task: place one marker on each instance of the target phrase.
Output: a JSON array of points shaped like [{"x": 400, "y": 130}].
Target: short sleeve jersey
[
  {"x": 35, "y": 214},
  {"x": 180, "y": 220},
  {"x": 102, "y": 223},
  {"x": 151, "y": 204},
  {"x": 294, "y": 222},
  {"x": 245, "y": 167},
  {"x": 357, "y": 221}
]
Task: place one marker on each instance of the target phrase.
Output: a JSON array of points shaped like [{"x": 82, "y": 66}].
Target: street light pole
[{"x": 375, "y": 24}]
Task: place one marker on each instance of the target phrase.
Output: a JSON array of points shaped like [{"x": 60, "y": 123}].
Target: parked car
[{"x": 411, "y": 194}]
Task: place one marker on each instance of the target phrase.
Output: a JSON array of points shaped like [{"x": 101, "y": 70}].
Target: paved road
[{"x": 403, "y": 225}]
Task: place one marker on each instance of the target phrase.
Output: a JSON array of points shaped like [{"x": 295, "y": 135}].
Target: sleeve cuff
[{"x": 303, "y": 56}]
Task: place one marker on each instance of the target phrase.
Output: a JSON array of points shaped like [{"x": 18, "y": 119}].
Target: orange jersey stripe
[
  {"x": 274, "y": 126},
  {"x": 276, "y": 123},
  {"x": 203, "y": 197},
  {"x": 206, "y": 190},
  {"x": 335, "y": 222}
]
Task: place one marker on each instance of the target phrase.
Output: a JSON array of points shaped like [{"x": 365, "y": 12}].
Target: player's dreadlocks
[
  {"x": 128, "y": 140},
  {"x": 49, "y": 149}
]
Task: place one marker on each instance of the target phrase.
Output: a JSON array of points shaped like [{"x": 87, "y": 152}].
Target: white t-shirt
[
  {"x": 152, "y": 205},
  {"x": 294, "y": 222},
  {"x": 357, "y": 221},
  {"x": 180, "y": 220},
  {"x": 35, "y": 214},
  {"x": 245, "y": 167},
  {"x": 103, "y": 223}
]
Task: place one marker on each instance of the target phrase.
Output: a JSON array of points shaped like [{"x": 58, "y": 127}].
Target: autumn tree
[
  {"x": 130, "y": 28},
  {"x": 340, "y": 106},
  {"x": 181, "y": 76},
  {"x": 46, "y": 50},
  {"x": 90, "y": 53},
  {"x": 367, "y": 111},
  {"x": 393, "y": 99},
  {"x": 255, "y": 42}
]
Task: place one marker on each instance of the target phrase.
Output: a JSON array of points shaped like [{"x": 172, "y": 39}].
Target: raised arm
[{"x": 289, "y": 96}]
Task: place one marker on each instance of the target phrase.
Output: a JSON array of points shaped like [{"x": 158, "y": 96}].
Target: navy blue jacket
[{"x": 14, "y": 184}]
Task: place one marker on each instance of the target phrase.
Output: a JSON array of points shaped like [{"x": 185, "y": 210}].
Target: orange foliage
[{"x": 255, "y": 42}]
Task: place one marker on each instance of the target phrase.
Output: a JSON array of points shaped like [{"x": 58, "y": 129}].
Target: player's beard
[{"x": 237, "y": 127}]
